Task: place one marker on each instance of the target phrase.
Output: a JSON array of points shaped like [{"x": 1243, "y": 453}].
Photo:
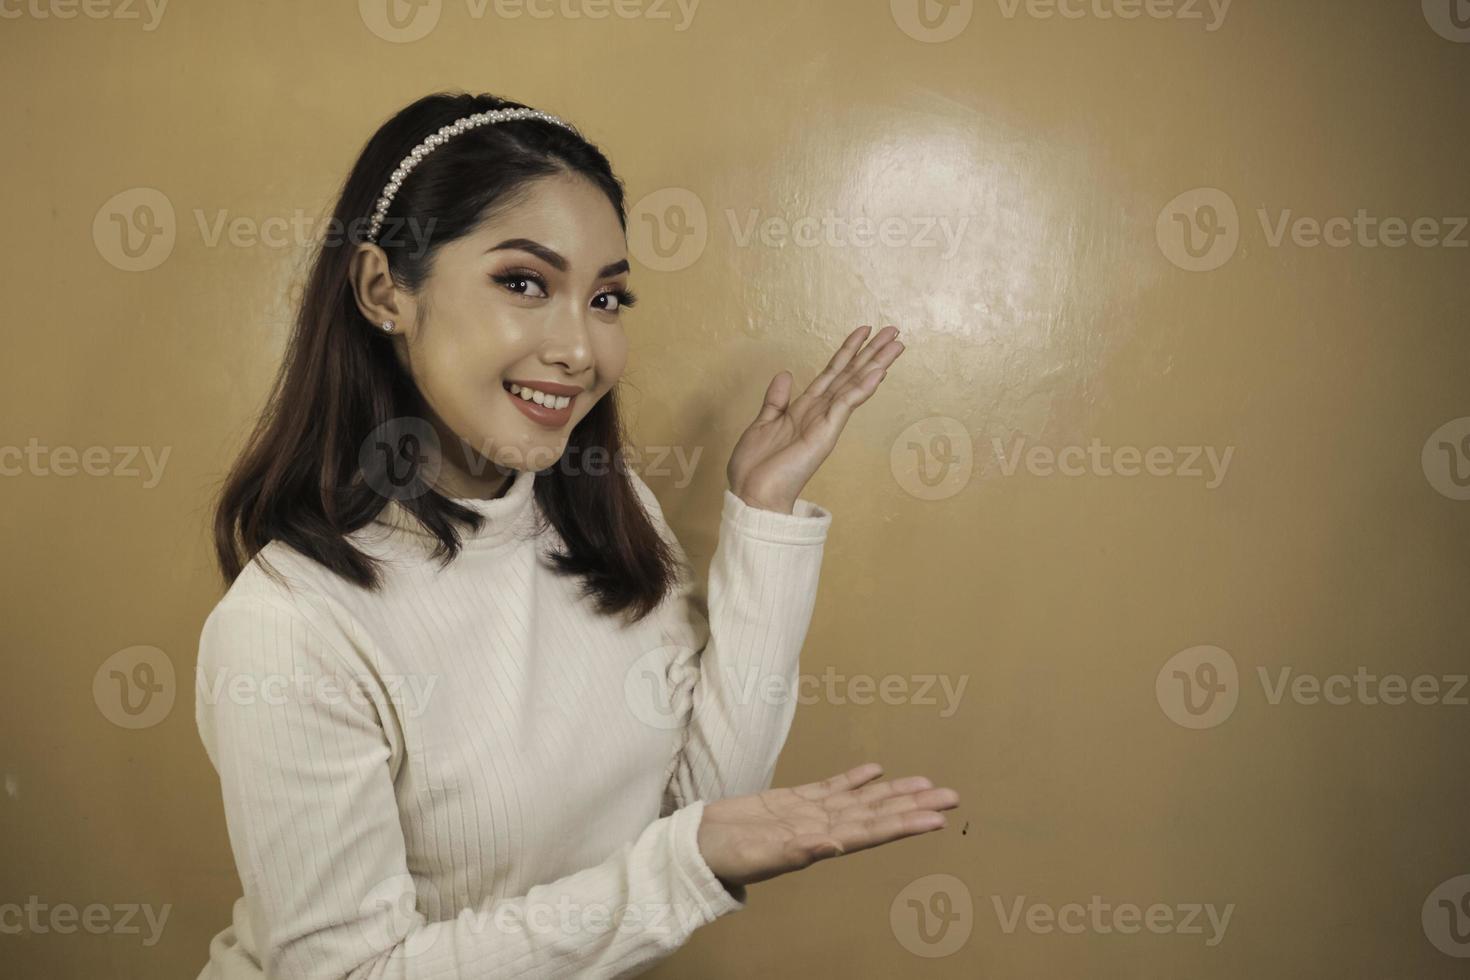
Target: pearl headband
[{"x": 438, "y": 139}]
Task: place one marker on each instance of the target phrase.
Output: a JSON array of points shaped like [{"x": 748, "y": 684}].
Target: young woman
[{"x": 469, "y": 718}]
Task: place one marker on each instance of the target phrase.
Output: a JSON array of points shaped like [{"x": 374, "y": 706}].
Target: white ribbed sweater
[{"x": 471, "y": 773}]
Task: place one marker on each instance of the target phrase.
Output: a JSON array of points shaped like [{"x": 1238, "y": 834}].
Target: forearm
[
  {"x": 612, "y": 920},
  {"x": 762, "y": 590}
]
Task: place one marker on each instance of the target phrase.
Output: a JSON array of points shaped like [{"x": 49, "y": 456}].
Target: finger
[
  {"x": 836, "y": 413},
  {"x": 778, "y": 393},
  {"x": 853, "y": 778},
  {"x": 860, "y": 362},
  {"x": 926, "y": 797},
  {"x": 874, "y": 793},
  {"x": 881, "y": 362},
  {"x": 884, "y": 338},
  {"x": 839, "y": 360},
  {"x": 860, "y": 391},
  {"x": 931, "y": 799},
  {"x": 863, "y": 834}
]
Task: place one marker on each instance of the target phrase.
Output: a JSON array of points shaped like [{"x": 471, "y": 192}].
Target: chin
[{"x": 531, "y": 455}]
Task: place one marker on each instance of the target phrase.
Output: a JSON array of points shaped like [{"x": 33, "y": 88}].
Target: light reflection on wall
[{"x": 1001, "y": 314}]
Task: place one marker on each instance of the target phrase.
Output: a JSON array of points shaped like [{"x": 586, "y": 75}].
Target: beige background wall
[{"x": 1067, "y": 309}]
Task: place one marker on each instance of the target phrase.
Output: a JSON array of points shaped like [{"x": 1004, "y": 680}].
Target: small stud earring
[{"x": 388, "y": 326}]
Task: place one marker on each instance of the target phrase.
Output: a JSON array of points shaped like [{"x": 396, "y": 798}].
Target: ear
[{"x": 378, "y": 297}]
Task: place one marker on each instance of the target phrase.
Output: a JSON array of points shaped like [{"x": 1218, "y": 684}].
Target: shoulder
[
  {"x": 277, "y": 575},
  {"x": 281, "y": 603}
]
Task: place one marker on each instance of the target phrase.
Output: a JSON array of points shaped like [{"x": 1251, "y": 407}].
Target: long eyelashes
[{"x": 626, "y": 298}]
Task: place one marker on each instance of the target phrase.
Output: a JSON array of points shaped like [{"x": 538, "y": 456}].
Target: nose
[{"x": 568, "y": 344}]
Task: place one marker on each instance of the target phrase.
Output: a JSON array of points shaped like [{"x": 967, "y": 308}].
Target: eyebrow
[{"x": 554, "y": 259}]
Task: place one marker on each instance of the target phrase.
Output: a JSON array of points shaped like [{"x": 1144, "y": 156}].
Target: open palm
[
  {"x": 746, "y": 839},
  {"x": 776, "y": 456}
]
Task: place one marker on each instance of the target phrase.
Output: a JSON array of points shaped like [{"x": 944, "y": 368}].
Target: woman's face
[{"x": 532, "y": 298}]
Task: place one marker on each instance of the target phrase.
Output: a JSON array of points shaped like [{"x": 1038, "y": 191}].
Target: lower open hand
[{"x": 746, "y": 839}]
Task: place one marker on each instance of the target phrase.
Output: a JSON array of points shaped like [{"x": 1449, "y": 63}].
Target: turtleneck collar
[{"x": 503, "y": 516}]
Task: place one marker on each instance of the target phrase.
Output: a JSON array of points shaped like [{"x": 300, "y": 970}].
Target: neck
[{"x": 459, "y": 485}]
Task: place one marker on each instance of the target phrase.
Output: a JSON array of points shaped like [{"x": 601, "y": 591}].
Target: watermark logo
[
  {"x": 936, "y": 21},
  {"x": 1206, "y": 463},
  {"x": 1362, "y": 687},
  {"x": 390, "y": 915},
  {"x": 668, "y": 229},
  {"x": 932, "y": 21},
  {"x": 301, "y": 229},
  {"x": 40, "y": 460},
  {"x": 1104, "y": 918},
  {"x": 1362, "y": 230},
  {"x": 565, "y": 917},
  {"x": 1199, "y": 230},
  {"x": 933, "y": 916},
  {"x": 942, "y": 691},
  {"x": 135, "y": 230},
  {"x": 97, "y": 919},
  {"x": 598, "y": 461},
  {"x": 400, "y": 21},
  {"x": 148, "y": 12},
  {"x": 930, "y": 231},
  {"x": 400, "y": 459},
  {"x": 658, "y": 686},
  {"x": 409, "y": 693},
  {"x": 406, "y": 21},
  {"x": 1450, "y": 19},
  {"x": 1210, "y": 13},
  {"x": 677, "y": 13},
  {"x": 134, "y": 688},
  {"x": 649, "y": 692},
  {"x": 1446, "y": 917},
  {"x": 933, "y": 458},
  {"x": 1446, "y": 459},
  {"x": 1199, "y": 687}
]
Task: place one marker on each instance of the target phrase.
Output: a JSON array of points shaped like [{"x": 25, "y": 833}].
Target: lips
[
  {"x": 551, "y": 418},
  {"x": 550, "y": 387}
]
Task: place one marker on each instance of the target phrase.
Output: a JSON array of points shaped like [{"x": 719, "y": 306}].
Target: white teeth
[{"x": 541, "y": 397}]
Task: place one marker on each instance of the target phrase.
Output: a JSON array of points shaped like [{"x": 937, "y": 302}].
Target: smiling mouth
[
  {"x": 543, "y": 408},
  {"x": 559, "y": 396}
]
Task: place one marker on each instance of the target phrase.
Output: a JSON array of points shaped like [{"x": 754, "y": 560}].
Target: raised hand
[
  {"x": 745, "y": 839},
  {"x": 776, "y": 456}
]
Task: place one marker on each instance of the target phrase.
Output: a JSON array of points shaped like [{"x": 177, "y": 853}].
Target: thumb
[
  {"x": 819, "y": 847},
  {"x": 778, "y": 392}
]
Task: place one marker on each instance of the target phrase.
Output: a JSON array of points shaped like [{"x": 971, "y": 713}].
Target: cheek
[
  {"x": 474, "y": 349},
  {"x": 458, "y": 366},
  {"x": 611, "y": 352},
  {"x": 457, "y": 374}
]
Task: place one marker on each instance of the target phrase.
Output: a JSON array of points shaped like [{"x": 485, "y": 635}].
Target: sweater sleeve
[
  {"x": 736, "y": 664},
  {"x": 302, "y": 736}
]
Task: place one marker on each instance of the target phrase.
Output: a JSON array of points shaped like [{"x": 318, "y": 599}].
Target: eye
[
  {"x": 616, "y": 300},
  {"x": 522, "y": 282}
]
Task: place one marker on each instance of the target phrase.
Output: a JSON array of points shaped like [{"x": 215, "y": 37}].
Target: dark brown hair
[{"x": 302, "y": 479}]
